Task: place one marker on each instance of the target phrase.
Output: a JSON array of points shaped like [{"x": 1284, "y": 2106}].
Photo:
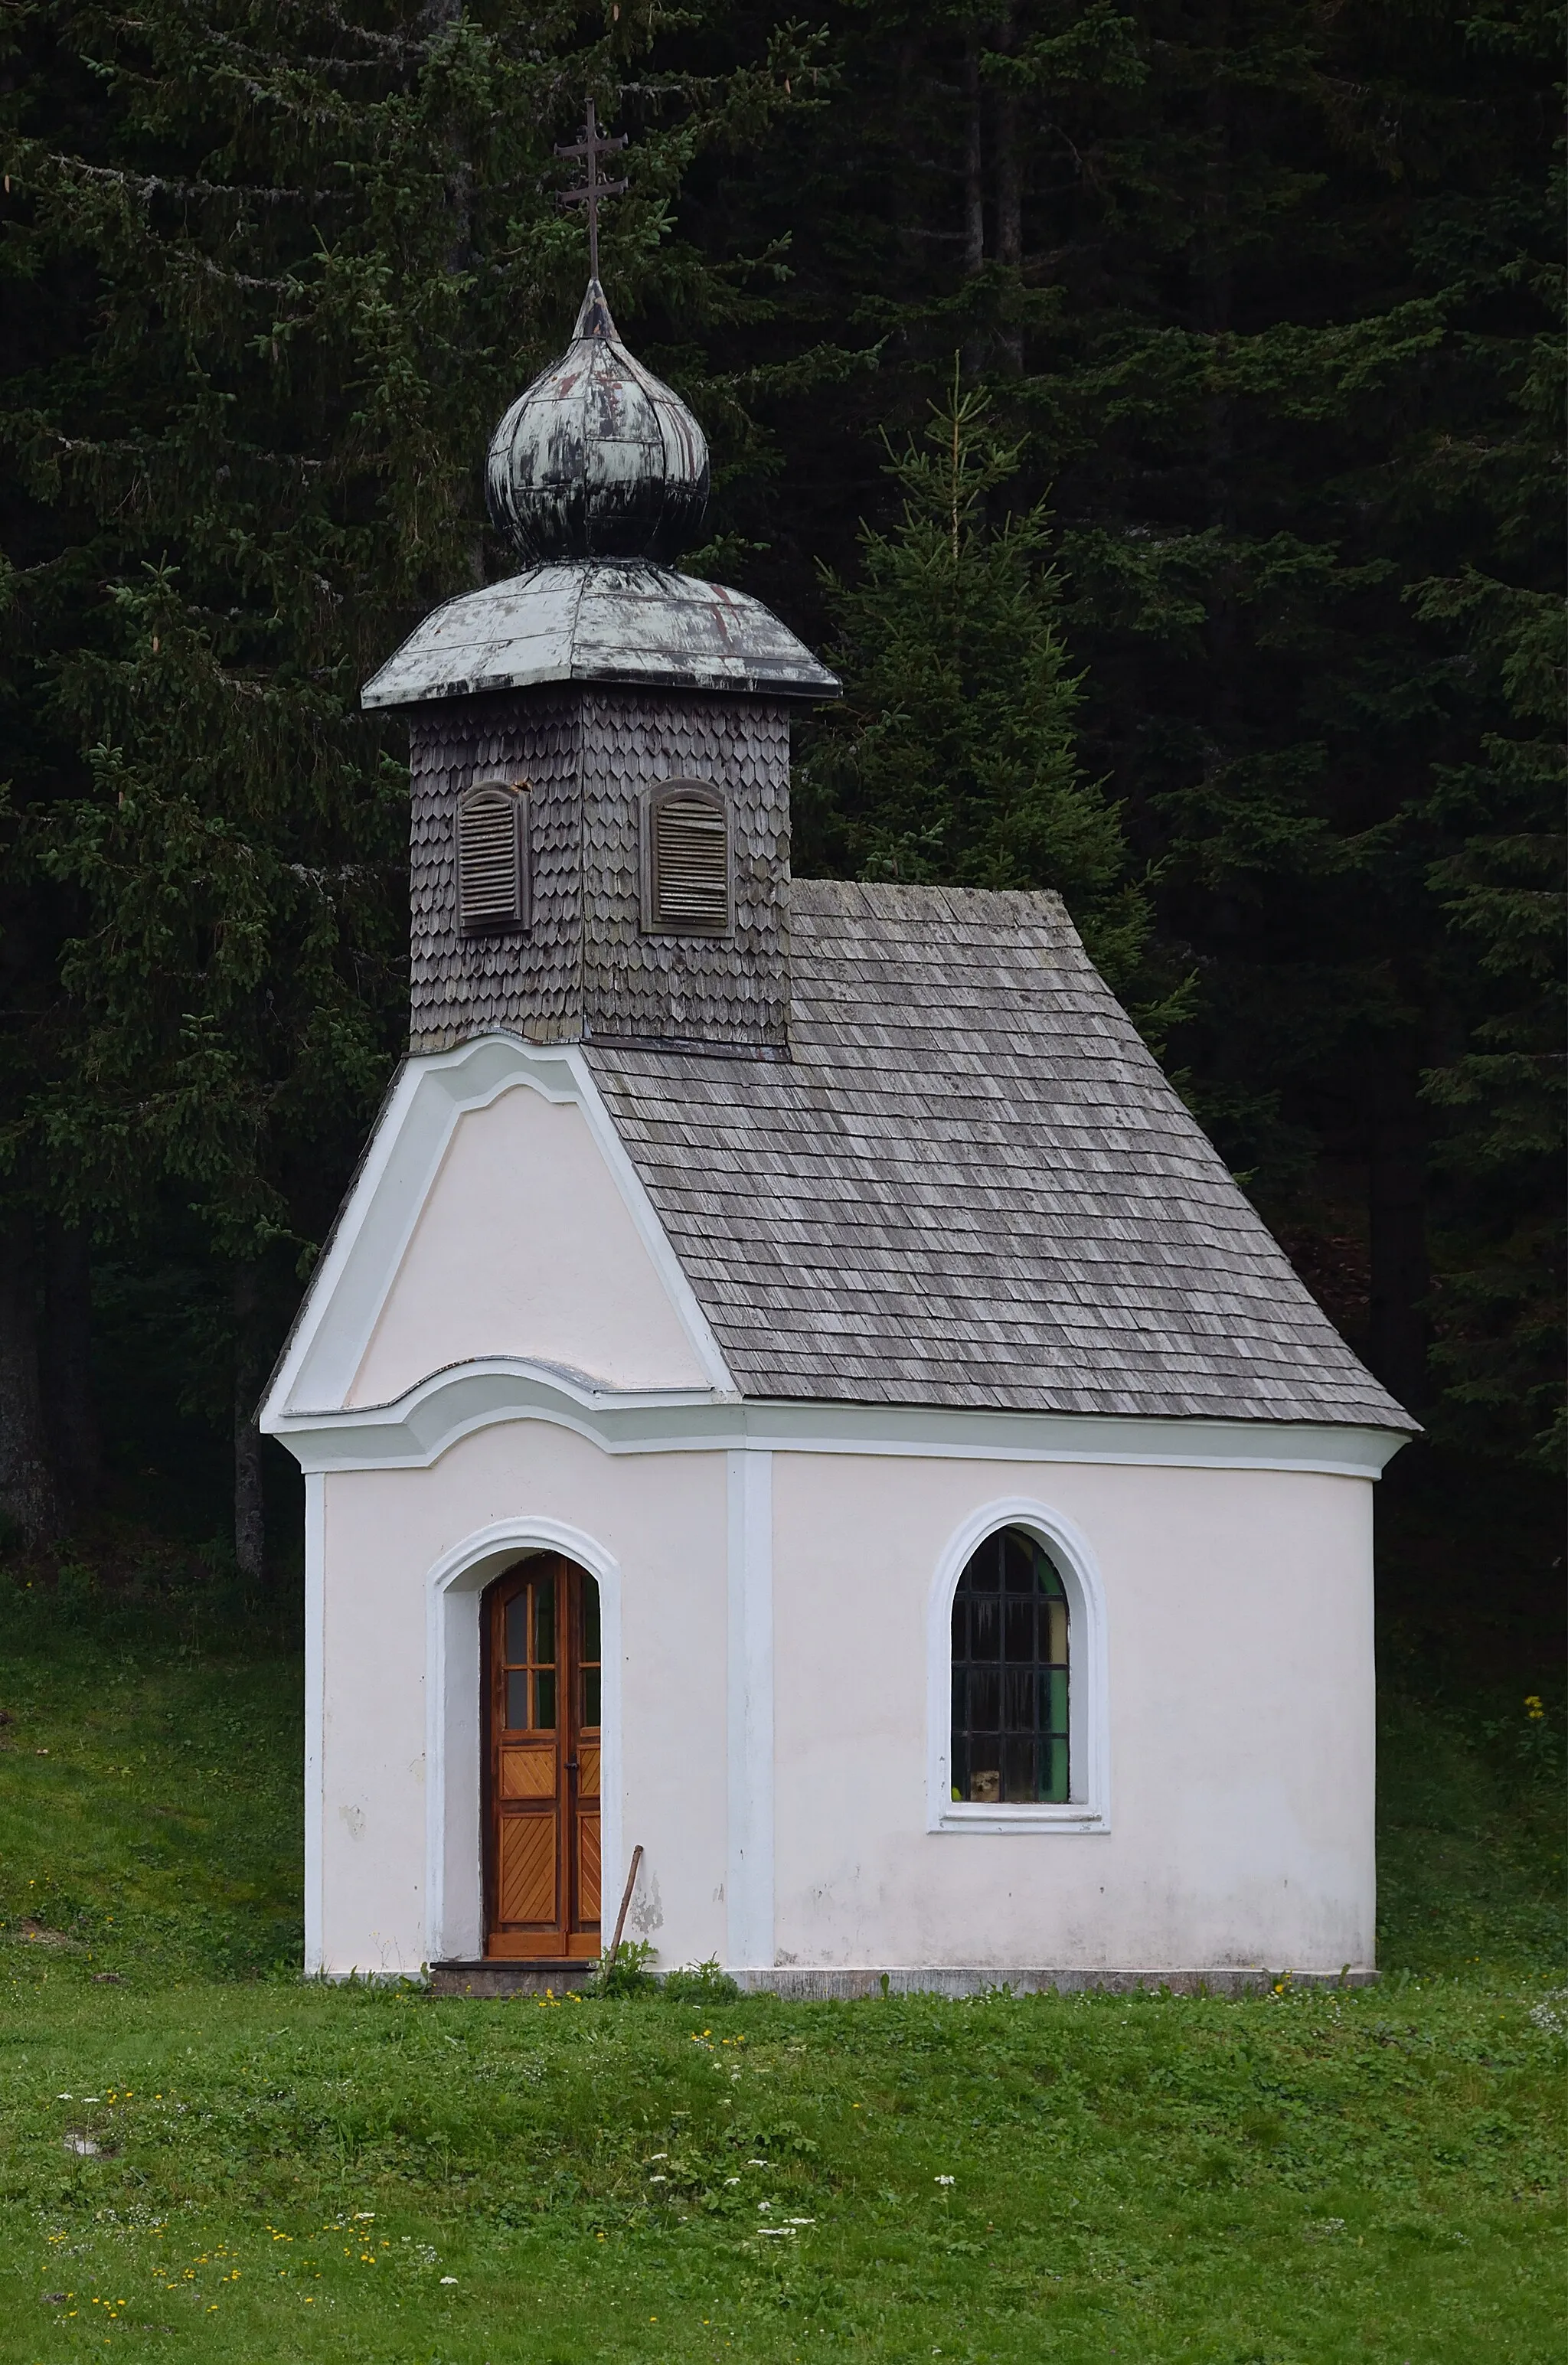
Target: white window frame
[{"x": 1088, "y": 1806}]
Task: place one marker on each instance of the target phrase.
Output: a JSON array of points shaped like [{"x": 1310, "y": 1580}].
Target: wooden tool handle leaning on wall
[{"x": 625, "y": 1904}]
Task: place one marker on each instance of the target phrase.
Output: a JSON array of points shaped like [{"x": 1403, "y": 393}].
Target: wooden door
[{"x": 542, "y": 1696}]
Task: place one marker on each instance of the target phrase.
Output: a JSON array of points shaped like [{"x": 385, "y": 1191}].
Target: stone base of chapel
[
  {"x": 492, "y": 1977},
  {"x": 804, "y": 1982}
]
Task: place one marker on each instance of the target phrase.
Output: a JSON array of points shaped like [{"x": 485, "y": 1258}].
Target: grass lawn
[{"x": 201, "y": 2158}]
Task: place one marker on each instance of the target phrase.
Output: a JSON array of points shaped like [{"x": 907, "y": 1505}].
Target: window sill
[{"x": 1071, "y": 1817}]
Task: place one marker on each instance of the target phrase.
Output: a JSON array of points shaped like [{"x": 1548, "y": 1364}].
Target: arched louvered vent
[
  {"x": 685, "y": 860},
  {"x": 492, "y": 879}
]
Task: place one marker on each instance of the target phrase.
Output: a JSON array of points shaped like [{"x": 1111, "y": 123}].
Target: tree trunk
[
  {"x": 1009, "y": 193},
  {"x": 1401, "y": 1274},
  {"x": 250, "y": 1516},
  {"x": 71, "y": 1415},
  {"x": 974, "y": 159},
  {"x": 1212, "y": 307},
  {"x": 26, "y": 1487},
  {"x": 974, "y": 350}
]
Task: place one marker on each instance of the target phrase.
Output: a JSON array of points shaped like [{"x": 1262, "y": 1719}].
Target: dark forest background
[{"x": 1156, "y": 409}]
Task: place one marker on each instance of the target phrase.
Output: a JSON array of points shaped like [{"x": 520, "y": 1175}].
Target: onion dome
[{"x": 598, "y": 459}]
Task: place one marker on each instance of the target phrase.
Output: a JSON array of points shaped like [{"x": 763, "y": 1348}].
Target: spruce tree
[{"x": 953, "y": 756}]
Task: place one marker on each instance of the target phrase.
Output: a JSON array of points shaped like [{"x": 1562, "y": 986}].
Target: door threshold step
[{"x": 501, "y": 1978}]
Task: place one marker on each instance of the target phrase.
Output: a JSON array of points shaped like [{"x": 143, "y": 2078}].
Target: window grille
[
  {"x": 1010, "y": 1677},
  {"x": 685, "y": 860},
  {"x": 492, "y": 881}
]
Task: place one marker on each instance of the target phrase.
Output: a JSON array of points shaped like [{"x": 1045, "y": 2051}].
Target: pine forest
[{"x": 1150, "y": 409}]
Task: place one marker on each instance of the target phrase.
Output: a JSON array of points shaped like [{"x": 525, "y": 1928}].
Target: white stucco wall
[
  {"x": 526, "y": 1247},
  {"x": 1239, "y": 1613},
  {"x": 663, "y": 1519},
  {"x": 1239, "y": 1606}
]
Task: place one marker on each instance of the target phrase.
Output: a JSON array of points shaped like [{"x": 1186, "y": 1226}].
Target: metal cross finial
[{"x": 592, "y": 147}]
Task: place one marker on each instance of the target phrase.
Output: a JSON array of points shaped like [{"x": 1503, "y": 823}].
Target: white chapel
[{"x": 791, "y": 1389}]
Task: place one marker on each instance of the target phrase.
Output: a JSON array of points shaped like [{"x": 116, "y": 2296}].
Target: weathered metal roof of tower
[
  {"x": 587, "y": 619},
  {"x": 598, "y": 475}
]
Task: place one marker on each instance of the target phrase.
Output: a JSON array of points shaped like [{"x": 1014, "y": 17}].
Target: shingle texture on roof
[{"x": 973, "y": 1187}]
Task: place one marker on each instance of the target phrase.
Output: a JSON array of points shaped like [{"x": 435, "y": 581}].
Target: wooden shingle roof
[{"x": 973, "y": 1186}]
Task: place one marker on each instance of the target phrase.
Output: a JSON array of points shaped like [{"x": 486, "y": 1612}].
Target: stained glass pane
[
  {"x": 544, "y": 1624},
  {"x": 985, "y": 1699},
  {"x": 1019, "y": 1648},
  {"x": 1019, "y": 1562},
  {"x": 1018, "y": 1698},
  {"x": 1054, "y": 1789}
]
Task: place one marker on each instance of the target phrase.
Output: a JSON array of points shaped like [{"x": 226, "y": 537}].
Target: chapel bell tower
[{"x": 600, "y": 746}]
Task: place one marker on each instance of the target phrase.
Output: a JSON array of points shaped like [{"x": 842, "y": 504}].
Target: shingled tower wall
[{"x": 584, "y": 968}]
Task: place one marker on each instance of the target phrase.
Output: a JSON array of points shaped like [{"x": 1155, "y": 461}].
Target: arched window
[
  {"x": 1010, "y": 1740},
  {"x": 492, "y": 874},
  {"x": 685, "y": 860}
]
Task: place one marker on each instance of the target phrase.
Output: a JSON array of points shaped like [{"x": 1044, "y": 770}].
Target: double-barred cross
[{"x": 592, "y": 147}]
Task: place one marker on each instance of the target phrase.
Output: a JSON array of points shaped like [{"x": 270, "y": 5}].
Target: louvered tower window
[
  {"x": 492, "y": 875},
  {"x": 685, "y": 860}
]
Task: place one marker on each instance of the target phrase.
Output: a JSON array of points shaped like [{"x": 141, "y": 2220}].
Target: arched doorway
[{"x": 539, "y": 1635}]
